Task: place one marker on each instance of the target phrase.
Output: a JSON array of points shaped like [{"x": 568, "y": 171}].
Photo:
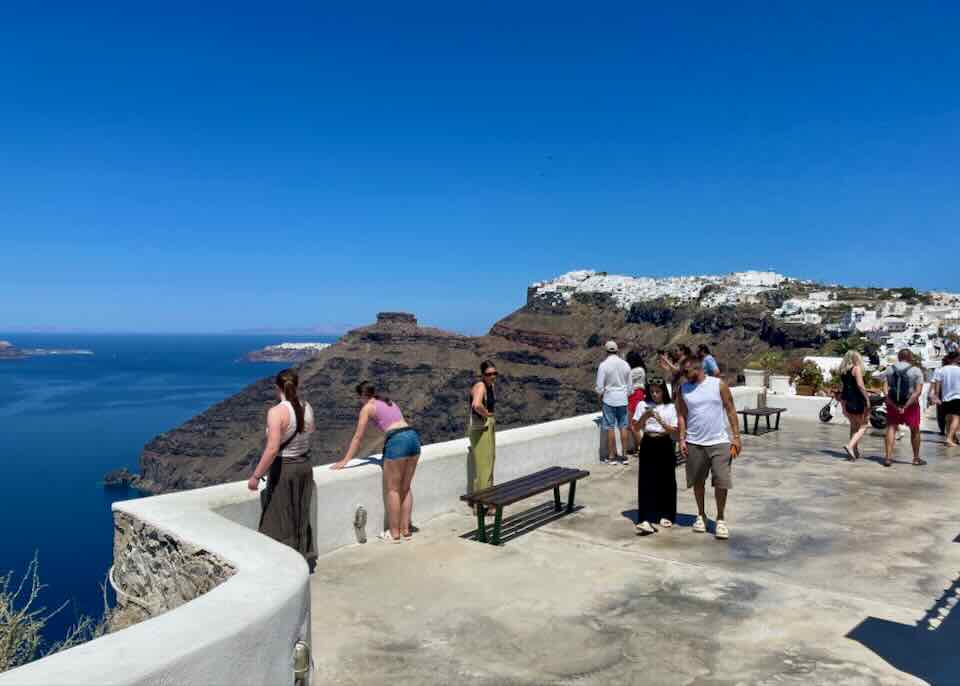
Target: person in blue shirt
[{"x": 710, "y": 365}]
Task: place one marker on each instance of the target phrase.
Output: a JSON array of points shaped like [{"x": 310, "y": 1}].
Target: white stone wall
[{"x": 243, "y": 630}]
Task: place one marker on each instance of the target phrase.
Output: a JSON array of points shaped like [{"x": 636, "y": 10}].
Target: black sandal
[
  {"x": 850, "y": 456},
  {"x": 919, "y": 462}
]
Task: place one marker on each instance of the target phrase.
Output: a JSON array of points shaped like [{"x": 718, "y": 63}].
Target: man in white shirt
[
  {"x": 614, "y": 386},
  {"x": 709, "y": 439},
  {"x": 947, "y": 395}
]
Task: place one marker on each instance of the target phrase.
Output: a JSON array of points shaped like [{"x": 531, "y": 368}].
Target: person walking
[
  {"x": 710, "y": 366},
  {"x": 657, "y": 473},
  {"x": 903, "y": 385},
  {"x": 638, "y": 376},
  {"x": 854, "y": 401},
  {"x": 948, "y": 395},
  {"x": 482, "y": 429},
  {"x": 706, "y": 417},
  {"x": 285, "y": 462},
  {"x": 614, "y": 386},
  {"x": 933, "y": 397},
  {"x": 401, "y": 452}
]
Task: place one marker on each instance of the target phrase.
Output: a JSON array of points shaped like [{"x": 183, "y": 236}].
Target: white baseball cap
[{"x": 611, "y": 346}]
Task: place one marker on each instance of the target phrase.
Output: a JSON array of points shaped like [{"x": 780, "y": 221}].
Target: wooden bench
[
  {"x": 514, "y": 491},
  {"x": 758, "y": 412}
]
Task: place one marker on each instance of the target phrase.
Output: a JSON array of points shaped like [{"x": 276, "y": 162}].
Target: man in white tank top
[{"x": 707, "y": 418}]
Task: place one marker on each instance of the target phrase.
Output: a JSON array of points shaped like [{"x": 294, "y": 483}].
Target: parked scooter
[{"x": 878, "y": 410}]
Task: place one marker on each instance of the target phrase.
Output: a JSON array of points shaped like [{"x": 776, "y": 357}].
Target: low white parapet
[{"x": 244, "y": 630}]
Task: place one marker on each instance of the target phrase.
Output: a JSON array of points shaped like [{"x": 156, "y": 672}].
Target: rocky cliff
[{"x": 546, "y": 353}]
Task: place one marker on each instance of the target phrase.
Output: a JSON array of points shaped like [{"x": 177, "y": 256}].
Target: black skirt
[
  {"x": 657, "y": 479},
  {"x": 286, "y": 507}
]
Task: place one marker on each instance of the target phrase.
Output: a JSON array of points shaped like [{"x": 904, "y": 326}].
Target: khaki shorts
[{"x": 709, "y": 459}]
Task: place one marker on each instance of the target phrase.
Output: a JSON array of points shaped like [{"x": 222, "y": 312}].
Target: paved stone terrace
[{"x": 836, "y": 573}]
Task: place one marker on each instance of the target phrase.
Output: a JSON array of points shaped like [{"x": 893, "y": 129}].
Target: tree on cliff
[{"x": 22, "y": 622}]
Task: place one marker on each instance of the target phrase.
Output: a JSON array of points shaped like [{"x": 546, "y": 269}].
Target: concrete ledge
[{"x": 243, "y": 631}]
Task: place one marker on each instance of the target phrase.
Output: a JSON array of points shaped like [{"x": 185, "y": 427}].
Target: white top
[
  {"x": 613, "y": 381},
  {"x": 300, "y": 445},
  {"x": 949, "y": 383},
  {"x": 706, "y": 418},
  {"x": 667, "y": 412}
]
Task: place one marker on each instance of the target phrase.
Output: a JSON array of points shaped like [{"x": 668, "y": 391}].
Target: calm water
[{"x": 65, "y": 421}]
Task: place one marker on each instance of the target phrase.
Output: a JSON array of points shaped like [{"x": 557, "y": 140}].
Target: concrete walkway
[{"x": 836, "y": 573}]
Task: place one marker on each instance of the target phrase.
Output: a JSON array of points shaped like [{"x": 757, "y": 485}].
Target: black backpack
[{"x": 900, "y": 386}]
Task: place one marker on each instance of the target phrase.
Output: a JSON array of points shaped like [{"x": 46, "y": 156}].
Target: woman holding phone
[{"x": 657, "y": 476}]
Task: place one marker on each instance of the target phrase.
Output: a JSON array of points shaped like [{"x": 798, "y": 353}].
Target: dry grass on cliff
[{"x": 22, "y": 621}]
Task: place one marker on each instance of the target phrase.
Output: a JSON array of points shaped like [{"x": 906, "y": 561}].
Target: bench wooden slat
[
  {"x": 479, "y": 495},
  {"x": 514, "y": 495},
  {"x": 513, "y": 491}
]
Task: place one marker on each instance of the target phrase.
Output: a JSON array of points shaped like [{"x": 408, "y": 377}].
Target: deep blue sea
[{"x": 65, "y": 421}]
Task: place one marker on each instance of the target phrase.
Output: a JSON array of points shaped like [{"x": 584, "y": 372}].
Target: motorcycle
[{"x": 878, "y": 410}]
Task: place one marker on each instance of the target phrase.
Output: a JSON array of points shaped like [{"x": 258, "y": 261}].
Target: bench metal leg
[
  {"x": 496, "y": 525},
  {"x": 746, "y": 426},
  {"x": 756, "y": 424},
  {"x": 778, "y": 421},
  {"x": 556, "y": 499},
  {"x": 481, "y": 524},
  {"x": 768, "y": 422},
  {"x": 571, "y": 495}
]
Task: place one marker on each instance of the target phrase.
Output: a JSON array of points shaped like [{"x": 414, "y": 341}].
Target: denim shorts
[
  {"x": 614, "y": 417},
  {"x": 401, "y": 443}
]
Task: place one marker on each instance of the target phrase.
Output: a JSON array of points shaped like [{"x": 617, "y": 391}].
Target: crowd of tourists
[
  {"x": 686, "y": 409},
  {"x": 691, "y": 409}
]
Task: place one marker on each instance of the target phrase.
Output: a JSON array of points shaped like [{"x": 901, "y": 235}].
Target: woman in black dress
[
  {"x": 657, "y": 476},
  {"x": 854, "y": 400}
]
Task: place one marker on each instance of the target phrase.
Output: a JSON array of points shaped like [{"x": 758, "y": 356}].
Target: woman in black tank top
[{"x": 853, "y": 400}]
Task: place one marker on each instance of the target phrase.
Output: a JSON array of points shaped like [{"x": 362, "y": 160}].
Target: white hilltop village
[{"x": 887, "y": 317}]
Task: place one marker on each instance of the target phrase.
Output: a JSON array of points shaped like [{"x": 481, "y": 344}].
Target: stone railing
[{"x": 224, "y": 604}]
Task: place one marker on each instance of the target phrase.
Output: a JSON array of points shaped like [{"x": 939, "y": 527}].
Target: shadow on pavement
[
  {"x": 929, "y": 650},
  {"x": 516, "y": 525}
]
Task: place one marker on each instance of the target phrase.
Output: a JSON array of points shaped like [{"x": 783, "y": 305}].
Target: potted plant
[{"x": 807, "y": 376}]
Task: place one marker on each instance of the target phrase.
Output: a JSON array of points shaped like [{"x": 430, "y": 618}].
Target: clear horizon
[{"x": 172, "y": 172}]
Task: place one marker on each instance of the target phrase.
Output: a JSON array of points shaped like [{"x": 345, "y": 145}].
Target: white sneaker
[
  {"x": 700, "y": 526},
  {"x": 666, "y": 523},
  {"x": 722, "y": 532},
  {"x": 387, "y": 537},
  {"x": 645, "y": 527}
]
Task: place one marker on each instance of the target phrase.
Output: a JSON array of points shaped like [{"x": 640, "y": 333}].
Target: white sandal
[{"x": 387, "y": 537}]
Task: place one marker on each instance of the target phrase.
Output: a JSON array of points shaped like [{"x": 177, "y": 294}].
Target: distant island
[
  {"x": 8, "y": 351},
  {"x": 287, "y": 352}
]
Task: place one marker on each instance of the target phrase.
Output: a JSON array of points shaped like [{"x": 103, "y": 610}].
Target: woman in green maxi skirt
[{"x": 482, "y": 429}]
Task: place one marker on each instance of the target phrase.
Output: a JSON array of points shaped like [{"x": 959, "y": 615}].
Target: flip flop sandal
[
  {"x": 888, "y": 463},
  {"x": 919, "y": 462},
  {"x": 850, "y": 456}
]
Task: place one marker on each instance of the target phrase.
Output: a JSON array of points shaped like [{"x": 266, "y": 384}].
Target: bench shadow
[
  {"x": 927, "y": 649},
  {"x": 516, "y": 525}
]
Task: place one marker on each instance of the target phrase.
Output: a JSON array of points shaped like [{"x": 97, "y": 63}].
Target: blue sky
[{"x": 294, "y": 164}]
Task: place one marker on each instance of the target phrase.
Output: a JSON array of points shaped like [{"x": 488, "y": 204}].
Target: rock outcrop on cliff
[{"x": 546, "y": 353}]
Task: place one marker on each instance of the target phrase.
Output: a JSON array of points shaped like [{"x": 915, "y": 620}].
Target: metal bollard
[{"x": 301, "y": 663}]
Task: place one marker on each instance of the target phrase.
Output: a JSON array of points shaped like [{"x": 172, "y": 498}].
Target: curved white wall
[{"x": 243, "y": 631}]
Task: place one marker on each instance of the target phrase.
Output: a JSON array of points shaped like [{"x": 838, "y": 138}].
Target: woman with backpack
[{"x": 854, "y": 400}]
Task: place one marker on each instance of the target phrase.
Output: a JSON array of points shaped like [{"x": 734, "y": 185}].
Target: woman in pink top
[{"x": 401, "y": 450}]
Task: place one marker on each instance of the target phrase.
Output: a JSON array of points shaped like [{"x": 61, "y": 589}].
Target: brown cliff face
[{"x": 546, "y": 353}]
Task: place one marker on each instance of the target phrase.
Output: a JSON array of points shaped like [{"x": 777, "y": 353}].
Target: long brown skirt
[{"x": 286, "y": 507}]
